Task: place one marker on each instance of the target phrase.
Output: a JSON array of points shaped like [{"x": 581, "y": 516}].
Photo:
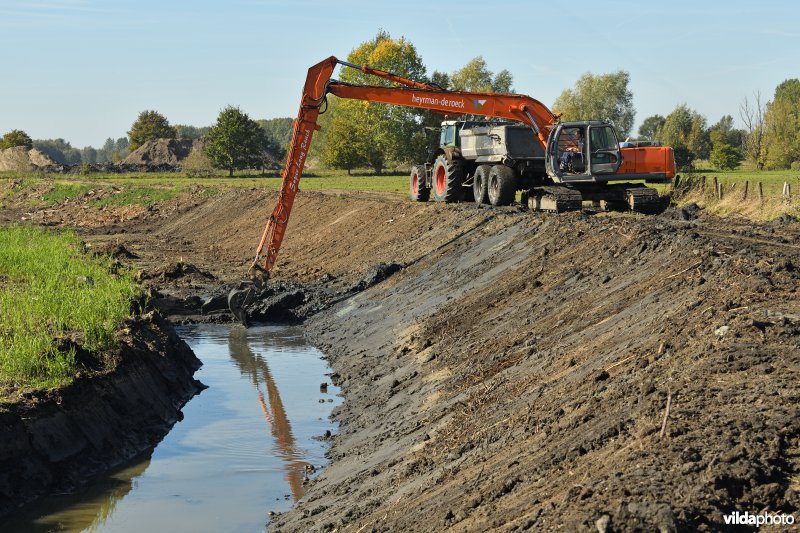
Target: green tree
[
  {"x": 725, "y": 132},
  {"x": 16, "y": 138},
  {"x": 476, "y": 76},
  {"x": 89, "y": 155},
  {"x": 726, "y": 142},
  {"x": 59, "y": 151},
  {"x": 440, "y": 79},
  {"x": 782, "y": 126},
  {"x": 149, "y": 126},
  {"x": 280, "y": 130},
  {"x": 184, "y": 131},
  {"x": 342, "y": 149},
  {"x": 685, "y": 131},
  {"x": 237, "y": 142},
  {"x": 725, "y": 157},
  {"x": 384, "y": 132},
  {"x": 651, "y": 126},
  {"x": 603, "y": 97}
]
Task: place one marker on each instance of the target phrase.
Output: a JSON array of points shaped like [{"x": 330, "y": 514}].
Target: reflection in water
[
  {"x": 87, "y": 511},
  {"x": 214, "y": 471},
  {"x": 256, "y": 369}
]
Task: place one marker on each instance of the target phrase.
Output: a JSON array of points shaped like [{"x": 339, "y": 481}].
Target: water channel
[{"x": 242, "y": 449}]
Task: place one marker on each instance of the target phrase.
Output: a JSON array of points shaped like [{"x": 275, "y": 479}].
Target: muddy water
[{"x": 242, "y": 449}]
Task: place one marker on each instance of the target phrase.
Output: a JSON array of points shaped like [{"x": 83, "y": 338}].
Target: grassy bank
[
  {"x": 52, "y": 296},
  {"x": 737, "y": 193}
]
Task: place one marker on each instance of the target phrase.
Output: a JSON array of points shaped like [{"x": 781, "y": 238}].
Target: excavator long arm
[{"x": 415, "y": 94}]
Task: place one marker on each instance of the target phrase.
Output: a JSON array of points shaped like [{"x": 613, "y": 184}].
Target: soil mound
[
  {"x": 21, "y": 158},
  {"x": 163, "y": 152}
]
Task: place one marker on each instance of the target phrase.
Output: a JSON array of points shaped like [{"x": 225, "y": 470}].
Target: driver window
[
  {"x": 603, "y": 141},
  {"x": 448, "y": 135}
]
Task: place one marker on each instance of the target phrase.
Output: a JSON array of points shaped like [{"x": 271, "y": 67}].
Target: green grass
[
  {"x": 61, "y": 191},
  {"x": 51, "y": 291},
  {"x": 151, "y": 188},
  {"x": 772, "y": 180},
  {"x": 138, "y": 195}
]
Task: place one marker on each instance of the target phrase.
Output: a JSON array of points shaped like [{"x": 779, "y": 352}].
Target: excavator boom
[{"x": 415, "y": 94}]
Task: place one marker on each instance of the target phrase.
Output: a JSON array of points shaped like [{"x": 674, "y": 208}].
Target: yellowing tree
[{"x": 355, "y": 132}]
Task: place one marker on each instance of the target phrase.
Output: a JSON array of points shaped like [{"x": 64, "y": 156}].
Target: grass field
[
  {"x": 151, "y": 188},
  {"x": 50, "y": 292}
]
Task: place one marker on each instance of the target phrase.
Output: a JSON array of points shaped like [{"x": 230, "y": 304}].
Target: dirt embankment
[
  {"x": 519, "y": 376},
  {"x": 574, "y": 372},
  {"x": 55, "y": 440}
]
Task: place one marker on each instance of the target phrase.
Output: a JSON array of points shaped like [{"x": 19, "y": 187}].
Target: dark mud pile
[
  {"x": 519, "y": 378},
  {"x": 53, "y": 441}
]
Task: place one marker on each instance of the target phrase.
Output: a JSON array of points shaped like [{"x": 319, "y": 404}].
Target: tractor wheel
[
  {"x": 447, "y": 177},
  {"x": 480, "y": 184},
  {"x": 502, "y": 185},
  {"x": 419, "y": 190}
]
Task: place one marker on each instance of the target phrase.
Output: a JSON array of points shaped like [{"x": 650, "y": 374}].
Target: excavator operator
[{"x": 572, "y": 159}]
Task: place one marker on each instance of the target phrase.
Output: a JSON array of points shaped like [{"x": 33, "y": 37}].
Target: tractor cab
[
  {"x": 449, "y": 136},
  {"x": 582, "y": 151}
]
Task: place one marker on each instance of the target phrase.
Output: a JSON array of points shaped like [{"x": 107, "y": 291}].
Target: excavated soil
[{"x": 515, "y": 371}]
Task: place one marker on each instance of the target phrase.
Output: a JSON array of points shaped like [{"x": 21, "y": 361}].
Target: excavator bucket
[{"x": 238, "y": 300}]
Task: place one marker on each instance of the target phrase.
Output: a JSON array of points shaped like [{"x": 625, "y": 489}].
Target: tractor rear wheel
[
  {"x": 502, "y": 185},
  {"x": 447, "y": 178},
  {"x": 480, "y": 184},
  {"x": 418, "y": 188}
]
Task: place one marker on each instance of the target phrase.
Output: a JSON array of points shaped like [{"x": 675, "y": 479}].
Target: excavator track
[
  {"x": 555, "y": 199},
  {"x": 642, "y": 199}
]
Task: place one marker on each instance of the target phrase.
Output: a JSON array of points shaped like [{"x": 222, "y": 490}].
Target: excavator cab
[{"x": 586, "y": 151}]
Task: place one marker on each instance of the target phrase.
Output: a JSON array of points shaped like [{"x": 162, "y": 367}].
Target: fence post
[
  {"x": 746, "y": 186},
  {"x": 702, "y": 184},
  {"x": 787, "y": 190},
  {"x": 760, "y": 192}
]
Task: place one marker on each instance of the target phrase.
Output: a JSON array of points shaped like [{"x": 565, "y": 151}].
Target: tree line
[
  {"x": 234, "y": 142},
  {"x": 360, "y": 134},
  {"x": 357, "y": 134}
]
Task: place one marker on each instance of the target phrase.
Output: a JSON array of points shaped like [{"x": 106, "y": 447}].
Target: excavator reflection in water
[{"x": 255, "y": 368}]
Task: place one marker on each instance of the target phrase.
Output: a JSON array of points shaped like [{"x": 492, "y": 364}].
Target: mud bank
[
  {"x": 53, "y": 441},
  {"x": 567, "y": 373}
]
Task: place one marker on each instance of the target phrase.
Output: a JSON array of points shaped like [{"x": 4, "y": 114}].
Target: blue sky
[{"x": 84, "y": 69}]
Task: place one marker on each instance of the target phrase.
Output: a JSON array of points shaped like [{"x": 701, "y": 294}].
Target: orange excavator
[{"x": 517, "y": 145}]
